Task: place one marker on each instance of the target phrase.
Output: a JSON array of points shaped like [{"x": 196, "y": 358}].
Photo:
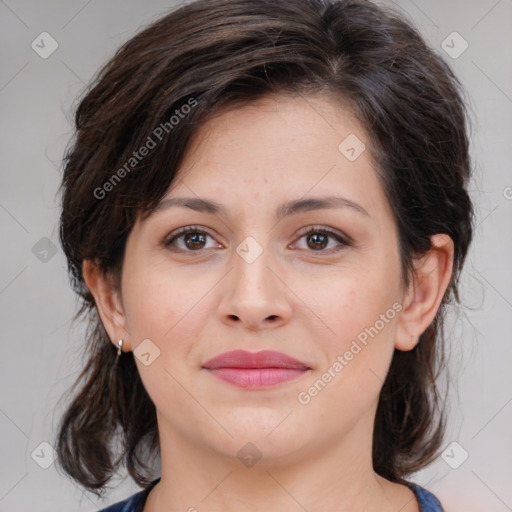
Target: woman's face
[{"x": 250, "y": 277}]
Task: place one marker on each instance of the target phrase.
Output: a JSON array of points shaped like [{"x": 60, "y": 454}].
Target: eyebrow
[{"x": 284, "y": 210}]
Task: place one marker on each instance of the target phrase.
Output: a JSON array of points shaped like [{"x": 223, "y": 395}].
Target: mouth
[{"x": 258, "y": 370}]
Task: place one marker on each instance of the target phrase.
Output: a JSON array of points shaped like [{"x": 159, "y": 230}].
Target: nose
[{"x": 254, "y": 294}]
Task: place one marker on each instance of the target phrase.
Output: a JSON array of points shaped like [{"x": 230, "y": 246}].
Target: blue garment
[{"x": 135, "y": 503}]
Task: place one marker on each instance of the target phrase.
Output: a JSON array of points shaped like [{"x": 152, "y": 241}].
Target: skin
[{"x": 298, "y": 297}]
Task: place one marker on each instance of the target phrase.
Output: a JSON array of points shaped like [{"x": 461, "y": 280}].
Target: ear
[
  {"x": 108, "y": 303},
  {"x": 431, "y": 278}
]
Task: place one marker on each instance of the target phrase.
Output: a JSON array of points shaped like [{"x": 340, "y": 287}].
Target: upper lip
[{"x": 262, "y": 359}]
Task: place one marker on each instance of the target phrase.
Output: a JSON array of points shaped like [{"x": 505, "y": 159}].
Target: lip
[
  {"x": 262, "y": 359},
  {"x": 255, "y": 370}
]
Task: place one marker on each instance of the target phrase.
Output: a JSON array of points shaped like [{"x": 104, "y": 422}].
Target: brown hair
[{"x": 209, "y": 54}]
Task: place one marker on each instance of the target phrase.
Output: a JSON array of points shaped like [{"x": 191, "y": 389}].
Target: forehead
[
  {"x": 280, "y": 147},
  {"x": 270, "y": 127}
]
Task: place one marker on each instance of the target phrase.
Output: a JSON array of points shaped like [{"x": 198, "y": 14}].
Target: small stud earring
[{"x": 119, "y": 347}]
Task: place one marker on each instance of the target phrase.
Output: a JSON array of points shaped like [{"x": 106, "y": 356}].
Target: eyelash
[{"x": 171, "y": 238}]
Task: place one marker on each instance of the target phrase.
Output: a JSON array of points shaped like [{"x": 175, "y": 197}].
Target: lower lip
[{"x": 256, "y": 378}]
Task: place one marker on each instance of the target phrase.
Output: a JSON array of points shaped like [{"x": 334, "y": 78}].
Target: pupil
[
  {"x": 315, "y": 237},
  {"x": 196, "y": 238},
  {"x": 319, "y": 240}
]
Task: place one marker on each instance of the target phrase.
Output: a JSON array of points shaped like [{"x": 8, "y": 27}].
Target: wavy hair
[{"x": 220, "y": 53}]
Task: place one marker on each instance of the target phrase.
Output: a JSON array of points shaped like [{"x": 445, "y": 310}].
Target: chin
[{"x": 270, "y": 434}]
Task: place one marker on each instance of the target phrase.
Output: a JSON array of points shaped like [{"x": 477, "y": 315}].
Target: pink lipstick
[{"x": 255, "y": 370}]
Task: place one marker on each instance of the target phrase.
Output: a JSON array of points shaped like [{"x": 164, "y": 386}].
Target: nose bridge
[
  {"x": 255, "y": 295},
  {"x": 252, "y": 277}
]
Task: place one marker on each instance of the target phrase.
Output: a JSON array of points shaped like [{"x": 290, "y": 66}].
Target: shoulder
[
  {"x": 135, "y": 503},
  {"x": 427, "y": 501}
]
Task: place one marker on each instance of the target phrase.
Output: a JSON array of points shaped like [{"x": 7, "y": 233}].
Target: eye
[
  {"x": 192, "y": 239},
  {"x": 317, "y": 239}
]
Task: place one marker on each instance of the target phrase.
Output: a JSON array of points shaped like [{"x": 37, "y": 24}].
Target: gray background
[{"x": 40, "y": 347}]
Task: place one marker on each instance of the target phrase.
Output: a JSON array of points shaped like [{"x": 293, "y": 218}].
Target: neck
[{"x": 319, "y": 478}]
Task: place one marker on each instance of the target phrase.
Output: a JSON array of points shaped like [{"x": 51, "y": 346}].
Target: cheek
[
  {"x": 358, "y": 354},
  {"x": 359, "y": 309},
  {"x": 162, "y": 307},
  {"x": 157, "y": 302},
  {"x": 350, "y": 304}
]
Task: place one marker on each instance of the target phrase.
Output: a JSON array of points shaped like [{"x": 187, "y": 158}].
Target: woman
[{"x": 265, "y": 212}]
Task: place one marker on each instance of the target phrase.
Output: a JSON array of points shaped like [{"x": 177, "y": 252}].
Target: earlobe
[
  {"x": 108, "y": 303},
  {"x": 430, "y": 280}
]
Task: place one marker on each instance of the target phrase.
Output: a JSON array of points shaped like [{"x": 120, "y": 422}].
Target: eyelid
[
  {"x": 183, "y": 231},
  {"x": 342, "y": 239},
  {"x": 339, "y": 236},
  {"x": 318, "y": 228}
]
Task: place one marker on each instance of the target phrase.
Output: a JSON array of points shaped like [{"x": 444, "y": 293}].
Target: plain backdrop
[{"x": 39, "y": 346}]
